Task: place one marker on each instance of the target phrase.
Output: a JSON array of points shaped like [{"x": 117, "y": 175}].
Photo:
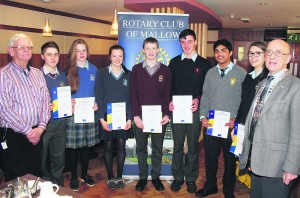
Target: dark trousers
[
  {"x": 142, "y": 153},
  {"x": 213, "y": 146},
  {"x": 268, "y": 187},
  {"x": 54, "y": 144},
  {"x": 190, "y": 169},
  {"x": 21, "y": 157}
]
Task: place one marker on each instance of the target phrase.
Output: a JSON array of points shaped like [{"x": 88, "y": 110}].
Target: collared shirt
[
  {"x": 153, "y": 69},
  {"x": 24, "y": 99},
  {"x": 229, "y": 68},
  {"x": 117, "y": 76},
  {"x": 86, "y": 65},
  {"x": 273, "y": 83},
  {"x": 46, "y": 72},
  {"x": 194, "y": 57},
  {"x": 253, "y": 74}
]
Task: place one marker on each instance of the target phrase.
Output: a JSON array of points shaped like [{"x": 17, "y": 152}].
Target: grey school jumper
[{"x": 223, "y": 94}]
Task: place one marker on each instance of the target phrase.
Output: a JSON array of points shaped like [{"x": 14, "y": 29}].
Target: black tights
[
  {"x": 84, "y": 161},
  {"x": 108, "y": 158}
]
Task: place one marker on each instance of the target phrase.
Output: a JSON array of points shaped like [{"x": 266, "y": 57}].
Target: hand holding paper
[
  {"x": 83, "y": 110},
  {"x": 218, "y": 120}
]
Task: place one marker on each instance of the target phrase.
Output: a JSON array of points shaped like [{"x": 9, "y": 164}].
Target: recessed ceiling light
[{"x": 262, "y": 3}]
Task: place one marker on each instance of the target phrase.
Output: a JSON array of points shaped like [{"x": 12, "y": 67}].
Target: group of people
[{"x": 266, "y": 101}]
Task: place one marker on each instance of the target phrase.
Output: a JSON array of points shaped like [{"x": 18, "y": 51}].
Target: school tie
[
  {"x": 223, "y": 72},
  {"x": 258, "y": 107}
]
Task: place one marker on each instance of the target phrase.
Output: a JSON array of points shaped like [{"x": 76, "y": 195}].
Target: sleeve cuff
[{"x": 26, "y": 130}]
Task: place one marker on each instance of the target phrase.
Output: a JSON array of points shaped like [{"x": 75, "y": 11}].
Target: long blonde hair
[{"x": 72, "y": 74}]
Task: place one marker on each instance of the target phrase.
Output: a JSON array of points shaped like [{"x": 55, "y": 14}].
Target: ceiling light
[
  {"x": 47, "y": 32},
  {"x": 114, "y": 25}
]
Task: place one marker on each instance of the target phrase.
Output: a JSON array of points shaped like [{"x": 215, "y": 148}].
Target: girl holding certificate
[
  {"x": 112, "y": 88},
  {"x": 80, "y": 136},
  {"x": 256, "y": 56}
]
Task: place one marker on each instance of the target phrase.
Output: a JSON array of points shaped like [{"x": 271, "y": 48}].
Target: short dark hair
[
  {"x": 49, "y": 44},
  {"x": 223, "y": 42},
  {"x": 150, "y": 40},
  {"x": 186, "y": 33}
]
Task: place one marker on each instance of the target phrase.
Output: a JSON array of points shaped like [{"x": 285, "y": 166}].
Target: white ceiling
[{"x": 261, "y": 13}]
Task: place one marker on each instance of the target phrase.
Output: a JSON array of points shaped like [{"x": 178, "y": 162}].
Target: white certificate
[
  {"x": 151, "y": 116},
  {"x": 116, "y": 115},
  {"x": 182, "y": 113},
  {"x": 238, "y": 139},
  {"x": 61, "y": 99},
  {"x": 83, "y": 110},
  {"x": 218, "y": 119}
]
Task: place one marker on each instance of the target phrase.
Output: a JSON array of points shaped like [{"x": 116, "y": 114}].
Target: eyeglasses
[
  {"x": 277, "y": 53},
  {"x": 22, "y": 47},
  {"x": 255, "y": 54}
]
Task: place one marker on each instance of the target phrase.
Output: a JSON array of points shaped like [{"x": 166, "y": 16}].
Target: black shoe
[
  {"x": 158, "y": 185},
  {"x": 140, "y": 186},
  {"x": 88, "y": 180},
  {"x": 203, "y": 192},
  {"x": 74, "y": 185},
  {"x": 176, "y": 185},
  {"x": 229, "y": 195},
  {"x": 191, "y": 187}
]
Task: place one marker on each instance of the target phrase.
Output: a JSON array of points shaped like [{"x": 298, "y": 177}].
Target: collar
[
  {"x": 86, "y": 65},
  {"x": 194, "y": 57},
  {"x": 254, "y": 75},
  {"x": 278, "y": 74},
  {"x": 46, "y": 71},
  {"x": 229, "y": 67},
  {"x": 157, "y": 64},
  {"x": 21, "y": 69},
  {"x": 110, "y": 69}
]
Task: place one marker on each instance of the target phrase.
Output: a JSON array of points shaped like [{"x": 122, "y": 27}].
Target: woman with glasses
[{"x": 256, "y": 56}]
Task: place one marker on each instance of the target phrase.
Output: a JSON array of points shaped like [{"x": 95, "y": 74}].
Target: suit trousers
[
  {"x": 269, "y": 187},
  {"x": 21, "y": 157},
  {"x": 142, "y": 151},
  {"x": 188, "y": 168},
  {"x": 53, "y": 153},
  {"x": 213, "y": 146}
]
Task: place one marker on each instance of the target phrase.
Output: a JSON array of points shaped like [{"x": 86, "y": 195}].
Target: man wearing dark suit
[{"x": 271, "y": 148}]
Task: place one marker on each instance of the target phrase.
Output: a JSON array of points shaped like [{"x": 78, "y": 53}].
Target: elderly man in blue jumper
[{"x": 221, "y": 91}]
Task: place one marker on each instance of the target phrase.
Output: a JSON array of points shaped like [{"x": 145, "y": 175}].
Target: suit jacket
[{"x": 276, "y": 143}]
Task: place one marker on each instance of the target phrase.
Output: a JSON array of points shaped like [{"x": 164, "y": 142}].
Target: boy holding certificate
[
  {"x": 54, "y": 139},
  {"x": 188, "y": 71},
  {"x": 150, "y": 85},
  {"x": 112, "y": 95},
  {"x": 221, "y": 93}
]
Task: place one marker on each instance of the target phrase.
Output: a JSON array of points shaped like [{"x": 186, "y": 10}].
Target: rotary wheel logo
[{"x": 162, "y": 57}]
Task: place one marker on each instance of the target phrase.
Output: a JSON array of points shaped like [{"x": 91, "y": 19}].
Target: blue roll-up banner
[{"x": 134, "y": 28}]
